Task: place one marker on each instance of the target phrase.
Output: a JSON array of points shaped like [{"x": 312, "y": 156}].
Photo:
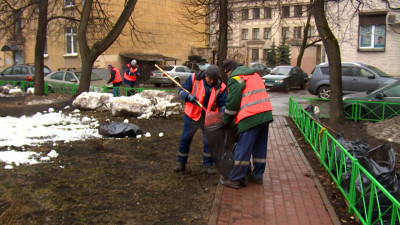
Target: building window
[
  {"x": 298, "y": 10},
  {"x": 297, "y": 33},
  {"x": 372, "y": 32},
  {"x": 267, "y": 13},
  {"x": 265, "y": 53},
  {"x": 256, "y": 33},
  {"x": 254, "y": 55},
  {"x": 229, "y": 34},
  {"x": 69, "y": 3},
  {"x": 245, "y": 33},
  {"x": 285, "y": 33},
  {"x": 311, "y": 31},
  {"x": 267, "y": 33},
  {"x": 256, "y": 13},
  {"x": 71, "y": 41},
  {"x": 245, "y": 14},
  {"x": 286, "y": 11}
]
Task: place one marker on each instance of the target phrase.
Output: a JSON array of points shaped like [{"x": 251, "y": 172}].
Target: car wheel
[
  {"x": 177, "y": 80},
  {"x": 324, "y": 92},
  {"x": 157, "y": 85}
]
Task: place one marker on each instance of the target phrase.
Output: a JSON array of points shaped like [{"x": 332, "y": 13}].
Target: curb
[{"x": 212, "y": 220}]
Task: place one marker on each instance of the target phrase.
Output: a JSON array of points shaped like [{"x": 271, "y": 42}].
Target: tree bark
[
  {"x": 89, "y": 55},
  {"x": 305, "y": 37},
  {"x": 223, "y": 39},
  {"x": 39, "y": 46},
  {"x": 333, "y": 53}
]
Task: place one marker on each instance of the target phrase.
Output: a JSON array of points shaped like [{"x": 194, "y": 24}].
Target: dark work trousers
[
  {"x": 251, "y": 142},
  {"x": 116, "y": 89},
  {"x": 131, "y": 84},
  {"x": 189, "y": 129}
]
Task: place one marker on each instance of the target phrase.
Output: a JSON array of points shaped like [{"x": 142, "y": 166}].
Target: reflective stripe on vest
[
  {"x": 255, "y": 98},
  {"x": 198, "y": 90},
  {"x": 117, "y": 77},
  {"x": 133, "y": 70}
]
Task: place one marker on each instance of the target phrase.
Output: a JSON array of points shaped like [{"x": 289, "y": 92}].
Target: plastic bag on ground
[
  {"x": 119, "y": 129},
  {"x": 221, "y": 142}
]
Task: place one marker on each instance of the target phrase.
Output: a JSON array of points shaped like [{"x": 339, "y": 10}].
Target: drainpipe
[{"x": 210, "y": 20}]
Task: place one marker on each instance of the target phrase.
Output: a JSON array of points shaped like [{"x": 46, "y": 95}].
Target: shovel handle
[{"x": 177, "y": 83}]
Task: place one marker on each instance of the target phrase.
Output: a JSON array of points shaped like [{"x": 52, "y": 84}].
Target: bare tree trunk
[
  {"x": 39, "y": 46},
  {"x": 223, "y": 39},
  {"x": 333, "y": 52},
  {"x": 305, "y": 37},
  {"x": 89, "y": 55}
]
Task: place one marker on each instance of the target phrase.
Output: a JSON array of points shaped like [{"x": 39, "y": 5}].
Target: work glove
[{"x": 192, "y": 99}]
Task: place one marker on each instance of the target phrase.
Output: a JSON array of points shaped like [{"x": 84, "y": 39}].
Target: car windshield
[
  {"x": 203, "y": 66},
  {"x": 93, "y": 77},
  {"x": 46, "y": 70},
  {"x": 378, "y": 71},
  {"x": 281, "y": 70}
]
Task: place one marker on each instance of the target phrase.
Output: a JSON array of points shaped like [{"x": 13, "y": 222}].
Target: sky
[{"x": 53, "y": 126}]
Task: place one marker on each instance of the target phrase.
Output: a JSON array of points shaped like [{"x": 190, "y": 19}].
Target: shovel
[{"x": 179, "y": 85}]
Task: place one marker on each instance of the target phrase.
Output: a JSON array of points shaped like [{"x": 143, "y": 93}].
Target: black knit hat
[
  {"x": 229, "y": 64},
  {"x": 212, "y": 72}
]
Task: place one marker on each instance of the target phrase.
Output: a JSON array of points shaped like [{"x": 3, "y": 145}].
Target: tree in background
[
  {"x": 271, "y": 56},
  {"x": 284, "y": 53}
]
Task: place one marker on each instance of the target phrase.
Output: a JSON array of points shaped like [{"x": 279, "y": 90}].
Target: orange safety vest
[
  {"x": 133, "y": 70},
  {"x": 255, "y": 98},
  {"x": 198, "y": 90},
  {"x": 117, "y": 77}
]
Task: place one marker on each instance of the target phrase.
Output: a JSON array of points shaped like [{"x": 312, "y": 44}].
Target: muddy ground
[{"x": 124, "y": 180}]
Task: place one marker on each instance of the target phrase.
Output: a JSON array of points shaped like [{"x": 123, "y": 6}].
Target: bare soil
[{"x": 126, "y": 180}]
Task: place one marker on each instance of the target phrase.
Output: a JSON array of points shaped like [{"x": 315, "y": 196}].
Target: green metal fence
[
  {"x": 71, "y": 89},
  {"x": 366, "y": 197}
]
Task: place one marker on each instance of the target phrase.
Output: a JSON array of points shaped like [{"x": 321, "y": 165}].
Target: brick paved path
[{"x": 289, "y": 195}]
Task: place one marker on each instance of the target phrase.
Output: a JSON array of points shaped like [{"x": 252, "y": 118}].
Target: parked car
[
  {"x": 197, "y": 66},
  {"x": 286, "y": 77},
  {"x": 178, "y": 72},
  {"x": 260, "y": 68},
  {"x": 356, "y": 77},
  {"x": 370, "y": 107},
  {"x": 23, "y": 72},
  {"x": 62, "y": 80}
]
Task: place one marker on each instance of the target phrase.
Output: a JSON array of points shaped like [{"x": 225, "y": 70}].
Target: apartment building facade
[
  {"x": 160, "y": 37},
  {"x": 255, "y": 25},
  {"x": 368, "y": 33}
]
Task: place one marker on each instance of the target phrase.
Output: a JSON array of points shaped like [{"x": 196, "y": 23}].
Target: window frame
[
  {"x": 298, "y": 13},
  {"x": 71, "y": 41},
  {"x": 255, "y": 34},
  {"x": 286, "y": 11},
  {"x": 245, "y": 14},
  {"x": 297, "y": 32},
  {"x": 255, "y": 55},
  {"x": 245, "y": 34},
  {"x": 267, "y": 13},
  {"x": 256, "y": 13},
  {"x": 268, "y": 36}
]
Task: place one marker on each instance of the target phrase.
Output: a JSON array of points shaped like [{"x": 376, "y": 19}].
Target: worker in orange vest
[
  {"x": 130, "y": 75},
  {"x": 207, "y": 88},
  {"x": 115, "y": 78},
  {"x": 249, "y": 107}
]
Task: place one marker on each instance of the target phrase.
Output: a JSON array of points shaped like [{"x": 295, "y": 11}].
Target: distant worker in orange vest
[
  {"x": 207, "y": 88},
  {"x": 131, "y": 73},
  {"x": 115, "y": 78},
  {"x": 249, "y": 107}
]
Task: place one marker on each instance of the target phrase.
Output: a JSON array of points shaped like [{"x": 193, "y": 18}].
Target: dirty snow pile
[
  {"x": 52, "y": 126},
  {"x": 10, "y": 91},
  {"x": 143, "y": 105}
]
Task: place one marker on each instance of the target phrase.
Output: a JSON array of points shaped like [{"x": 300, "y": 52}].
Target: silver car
[
  {"x": 356, "y": 77},
  {"x": 61, "y": 81},
  {"x": 178, "y": 72}
]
